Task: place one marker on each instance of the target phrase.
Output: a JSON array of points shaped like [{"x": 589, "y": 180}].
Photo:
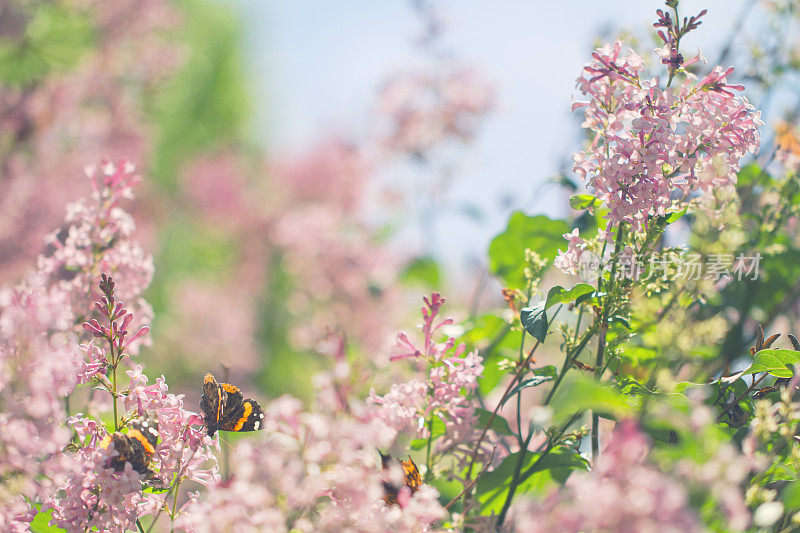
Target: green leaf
[
  {"x": 775, "y": 362},
  {"x": 674, "y": 216},
  {"x": 546, "y": 371},
  {"x": 534, "y": 320},
  {"x": 499, "y": 424},
  {"x": 791, "y": 495},
  {"x": 423, "y": 271},
  {"x": 581, "y": 393},
  {"x": 492, "y": 487},
  {"x": 507, "y": 250},
  {"x": 156, "y": 490},
  {"x": 41, "y": 522},
  {"x": 438, "y": 430},
  {"x": 590, "y": 297},
  {"x": 583, "y": 201},
  {"x": 52, "y": 38},
  {"x": 525, "y": 384},
  {"x": 750, "y": 175},
  {"x": 559, "y": 294},
  {"x": 630, "y": 386}
]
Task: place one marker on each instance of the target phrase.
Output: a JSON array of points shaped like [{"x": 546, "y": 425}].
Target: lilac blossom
[
  {"x": 445, "y": 390},
  {"x": 96, "y": 237},
  {"x": 623, "y": 493},
  {"x": 652, "y": 146},
  {"x": 38, "y": 368},
  {"x": 311, "y": 471},
  {"x": 655, "y": 149}
]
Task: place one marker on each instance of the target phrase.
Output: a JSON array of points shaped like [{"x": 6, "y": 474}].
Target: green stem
[
  {"x": 550, "y": 446},
  {"x": 568, "y": 362},
  {"x": 522, "y": 361},
  {"x": 174, "y": 505},
  {"x": 518, "y": 376},
  {"x": 603, "y": 330},
  {"x": 520, "y": 476},
  {"x": 512, "y": 489},
  {"x": 428, "y": 450},
  {"x": 114, "y": 383},
  {"x": 503, "y": 399}
]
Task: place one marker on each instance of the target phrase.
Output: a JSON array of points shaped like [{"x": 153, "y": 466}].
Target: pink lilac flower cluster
[
  {"x": 445, "y": 390},
  {"x": 423, "y": 110},
  {"x": 344, "y": 276},
  {"x": 313, "y": 471},
  {"x": 38, "y": 368},
  {"x": 40, "y": 356},
  {"x": 94, "y": 494},
  {"x": 569, "y": 261},
  {"x": 623, "y": 493},
  {"x": 95, "y": 238},
  {"x": 652, "y": 148}
]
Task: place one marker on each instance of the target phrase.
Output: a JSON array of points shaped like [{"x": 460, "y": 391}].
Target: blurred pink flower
[
  {"x": 312, "y": 471},
  {"x": 425, "y": 110},
  {"x": 334, "y": 173},
  {"x": 52, "y": 127},
  {"x": 623, "y": 493},
  {"x": 38, "y": 367}
]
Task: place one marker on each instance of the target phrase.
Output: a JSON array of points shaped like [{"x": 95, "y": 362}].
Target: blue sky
[{"x": 315, "y": 67}]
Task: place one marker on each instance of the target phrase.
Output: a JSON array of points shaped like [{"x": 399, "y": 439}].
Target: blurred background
[{"x": 311, "y": 169}]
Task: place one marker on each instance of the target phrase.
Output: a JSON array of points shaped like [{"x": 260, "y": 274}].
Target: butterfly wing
[
  {"x": 136, "y": 447},
  {"x": 126, "y": 453},
  {"x": 225, "y": 408},
  {"x": 390, "y": 493},
  {"x": 244, "y": 415},
  {"x": 211, "y": 404},
  {"x": 411, "y": 478},
  {"x": 231, "y": 395},
  {"x": 143, "y": 435},
  {"x": 411, "y": 473}
]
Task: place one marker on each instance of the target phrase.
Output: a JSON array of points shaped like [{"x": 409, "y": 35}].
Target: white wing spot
[{"x": 255, "y": 426}]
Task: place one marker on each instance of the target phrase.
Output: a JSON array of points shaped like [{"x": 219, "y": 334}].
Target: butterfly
[
  {"x": 411, "y": 479},
  {"x": 225, "y": 409},
  {"x": 136, "y": 447}
]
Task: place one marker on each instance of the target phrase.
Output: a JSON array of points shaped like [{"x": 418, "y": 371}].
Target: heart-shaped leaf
[
  {"x": 534, "y": 320},
  {"x": 525, "y": 384},
  {"x": 775, "y": 362},
  {"x": 559, "y": 294}
]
